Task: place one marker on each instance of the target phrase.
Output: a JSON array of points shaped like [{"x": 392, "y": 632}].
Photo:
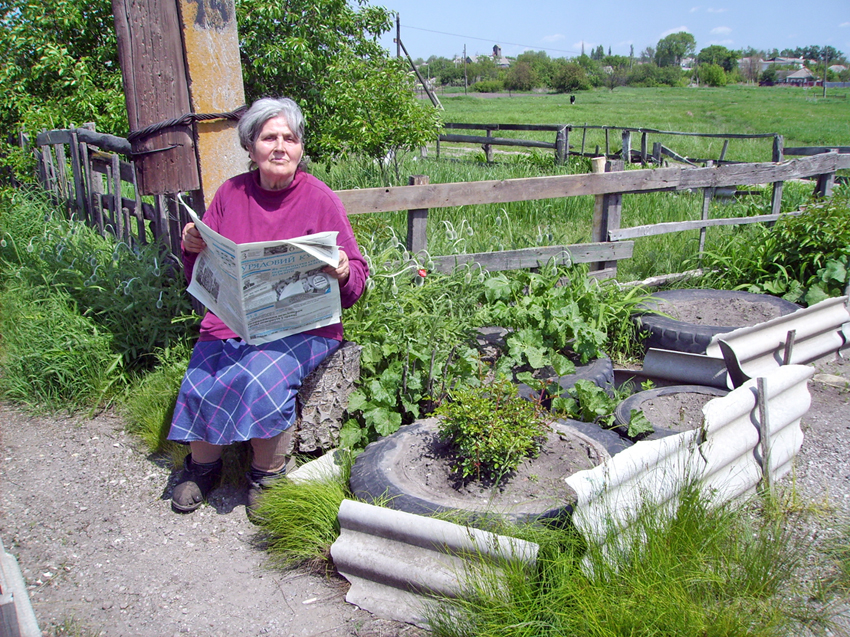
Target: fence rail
[
  {"x": 563, "y": 132},
  {"x": 100, "y": 188}
]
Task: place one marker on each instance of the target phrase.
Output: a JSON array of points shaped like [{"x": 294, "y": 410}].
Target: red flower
[{"x": 422, "y": 272}]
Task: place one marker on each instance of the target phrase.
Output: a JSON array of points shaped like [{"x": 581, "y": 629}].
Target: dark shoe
[
  {"x": 195, "y": 482},
  {"x": 259, "y": 481}
]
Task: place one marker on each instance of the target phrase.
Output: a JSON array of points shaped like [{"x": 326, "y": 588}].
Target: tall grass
[{"x": 709, "y": 571}]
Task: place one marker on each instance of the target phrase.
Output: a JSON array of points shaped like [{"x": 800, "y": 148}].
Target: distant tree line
[{"x": 661, "y": 65}]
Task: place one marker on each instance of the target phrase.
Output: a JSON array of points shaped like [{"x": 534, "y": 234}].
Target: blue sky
[{"x": 442, "y": 27}]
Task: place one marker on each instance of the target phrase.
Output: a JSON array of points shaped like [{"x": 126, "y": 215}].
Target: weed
[{"x": 491, "y": 429}]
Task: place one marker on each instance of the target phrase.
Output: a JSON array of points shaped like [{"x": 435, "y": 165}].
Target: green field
[{"x": 801, "y": 115}]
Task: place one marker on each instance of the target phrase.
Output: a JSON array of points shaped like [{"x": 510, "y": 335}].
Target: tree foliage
[
  {"x": 720, "y": 55},
  {"x": 60, "y": 69},
  {"x": 712, "y": 74},
  {"x": 672, "y": 49},
  {"x": 59, "y": 66},
  {"x": 570, "y": 77},
  {"x": 521, "y": 77},
  {"x": 325, "y": 55}
]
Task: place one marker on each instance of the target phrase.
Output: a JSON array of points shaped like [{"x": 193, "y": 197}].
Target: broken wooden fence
[
  {"x": 101, "y": 189},
  {"x": 564, "y": 133}
]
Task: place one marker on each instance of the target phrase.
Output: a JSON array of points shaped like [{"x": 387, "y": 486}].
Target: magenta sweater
[{"x": 243, "y": 212}]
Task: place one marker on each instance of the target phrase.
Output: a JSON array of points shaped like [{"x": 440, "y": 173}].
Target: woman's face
[{"x": 276, "y": 153}]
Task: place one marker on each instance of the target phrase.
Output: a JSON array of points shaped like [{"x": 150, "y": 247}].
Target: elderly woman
[{"x": 234, "y": 391}]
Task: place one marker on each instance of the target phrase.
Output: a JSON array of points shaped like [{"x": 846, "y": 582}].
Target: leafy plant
[
  {"x": 491, "y": 429},
  {"x": 416, "y": 329},
  {"x": 802, "y": 258},
  {"x": 560, "y": 314}
]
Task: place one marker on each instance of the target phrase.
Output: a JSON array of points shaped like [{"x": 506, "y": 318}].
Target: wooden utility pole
[
  {"x": 153, "y": 70},
  {"x": 178, "y": 59},
  {"x": 211, "y": 45}
]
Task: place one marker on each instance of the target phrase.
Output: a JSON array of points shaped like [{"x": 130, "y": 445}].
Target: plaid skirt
[{"x": 233, "y": 391}]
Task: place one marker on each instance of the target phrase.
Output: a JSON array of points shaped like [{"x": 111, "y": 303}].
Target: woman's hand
[
  {"x": 192, "y": 241},
  {"x": 341, "y": 272}
]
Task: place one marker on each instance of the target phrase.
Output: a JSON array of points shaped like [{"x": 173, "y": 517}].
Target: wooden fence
[
  {"x": 101, "y": 189},
  {"x": 564, "y": 132}
]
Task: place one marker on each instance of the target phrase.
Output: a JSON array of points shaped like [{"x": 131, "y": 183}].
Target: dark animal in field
[{"x": 572, "y": 99}]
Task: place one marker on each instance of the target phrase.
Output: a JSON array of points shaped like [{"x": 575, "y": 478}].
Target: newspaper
[{"x": 270, "y": 289}]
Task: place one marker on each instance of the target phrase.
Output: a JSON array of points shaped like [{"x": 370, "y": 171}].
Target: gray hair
[{"x": 261, "y": 111}]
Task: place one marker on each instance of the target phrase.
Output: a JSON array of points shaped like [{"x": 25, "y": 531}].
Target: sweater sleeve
[
  {"x": 358, "y": 270},
  {"x": 211, "y": 219}
]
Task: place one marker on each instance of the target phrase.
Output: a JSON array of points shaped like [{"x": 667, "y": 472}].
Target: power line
[{"x": 469, "y": 37}]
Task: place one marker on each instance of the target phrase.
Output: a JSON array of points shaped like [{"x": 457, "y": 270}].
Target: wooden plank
[
  {"x": 496, "y": 141},
  {"x": 679, "y": 226},
  {"x": 778, "y": 186},
  {"x": 528, "y": 189},
  {"x": 211, "y": 46},
  {"x": 626, "y": 153},
  {"x": 77, "y": 175},
  {"x": 816, "y": 150},
  {"x": 62, "y": 174},
  {"x": 536, "y": 257},
  {"x": 515, "y": 127},
  {"x": 643, "y": 149}
]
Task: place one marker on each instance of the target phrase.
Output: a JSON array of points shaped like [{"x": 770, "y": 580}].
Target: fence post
[
  {"x": 824, "y": 185},
  {"x": 643, "y": 149},
  {"x": 778, "y": 156},
  {"x": 656, "y": 153},
  {"x": 627, "y": 147},
  {"x": 562, "y": 146},
  {"x": 606, "y": 212},
  {"x": 417, "y": 220},
  {"x": 488, "y": 149},
  {"x": 707, "y": 194}
]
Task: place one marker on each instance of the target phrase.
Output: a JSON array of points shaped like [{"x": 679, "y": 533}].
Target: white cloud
[
  {"x": 844, "y": 24},
  {"x": 721, "y": 30},
  {"x": 695, "y": 9},
  {"x": 676, "y": 30},
  {"x": 554, "y": 38},
  {"x": 710, "y": 10}
]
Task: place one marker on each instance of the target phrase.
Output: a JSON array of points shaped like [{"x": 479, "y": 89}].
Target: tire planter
[
  {"x": 693, "y": 338},
  {"x": 599, "y": 372},
  {"x": 381, "y": 473},
  {"x": 622, "y": 414}
]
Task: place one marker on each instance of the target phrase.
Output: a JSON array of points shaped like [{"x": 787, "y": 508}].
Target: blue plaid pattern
[{"x": 233, "y": 391}]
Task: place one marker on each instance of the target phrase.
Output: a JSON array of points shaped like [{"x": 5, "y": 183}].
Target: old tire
[
  {"x": 623, "y": 411},
  {"x": 376, "y": 475},
  {"x": 668, "y": 333},
  {"x": 599, "y": 371}
]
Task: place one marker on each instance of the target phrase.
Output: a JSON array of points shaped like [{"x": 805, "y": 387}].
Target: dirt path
[{"x": 85, "y": 512}]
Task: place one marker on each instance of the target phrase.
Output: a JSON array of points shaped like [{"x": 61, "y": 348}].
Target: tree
[
  {"x": 59, "y": 66},
  {"x": 521, "y": 77},
  {"x": 598, "y": 53},
  {"x": 60, "y": 69},
  {"x": 570, "y": 77},
  {"x": 541, "y": 64},
  {"x": 674, "y": 48},
  {"x": 325, "y": 54},
  {"x": 712, "y": 74},
  {"x": 720, "y": 55}
]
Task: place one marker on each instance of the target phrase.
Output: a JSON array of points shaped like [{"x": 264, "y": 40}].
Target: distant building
[
  {"x": 500, "y": 61},
  {"x": 796, "y": 63}
]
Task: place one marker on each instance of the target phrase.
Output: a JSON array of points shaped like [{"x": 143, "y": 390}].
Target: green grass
[
  {"x": 709, "y": 571},
  {"x": 801, "y": 115}
]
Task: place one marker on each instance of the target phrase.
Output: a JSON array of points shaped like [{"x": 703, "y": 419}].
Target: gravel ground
[{"x": 86, "y": 513}]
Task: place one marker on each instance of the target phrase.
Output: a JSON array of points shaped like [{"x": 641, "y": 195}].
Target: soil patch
[
  {"x": 719, "y": 312},
  {"x": 679, "y": 412},
  {"x": 536, "y": 486}
]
